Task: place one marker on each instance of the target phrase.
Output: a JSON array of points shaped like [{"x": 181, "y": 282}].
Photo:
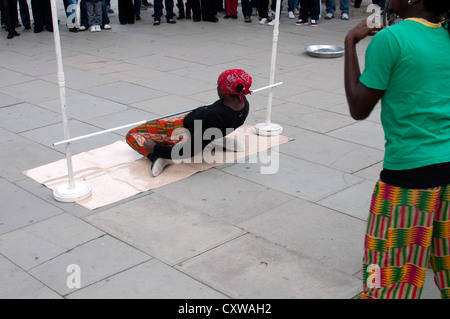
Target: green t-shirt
[{"x": 411, "y": 61}]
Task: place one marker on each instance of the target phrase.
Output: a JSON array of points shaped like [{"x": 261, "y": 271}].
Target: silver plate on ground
[{"x": 324, "y": 51}]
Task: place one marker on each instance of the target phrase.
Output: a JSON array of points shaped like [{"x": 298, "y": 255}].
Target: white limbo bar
[
  {"x": 268, "y": 128},
  {"x": 72, "y": 191}
]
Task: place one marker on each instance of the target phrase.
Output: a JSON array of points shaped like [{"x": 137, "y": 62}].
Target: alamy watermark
[
  {"x": 374, "y": 276},
  {"x": 74, "y": 279},
  {"x": 374, "y": 20}
]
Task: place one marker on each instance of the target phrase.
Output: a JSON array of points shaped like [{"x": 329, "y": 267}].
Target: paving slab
[
  {"x": 31, "y": 246},
  {"x": 252, "y": 267},
  {"x": 231, "y": 203},
  {"x": 18, "y": 208},
  {"x": 312, "y": 230},
  {"x": 163, "y": 228},
  {"x": 16, "y": 283},
  {"x": 294, "y": 176},
  {"x": 150, "y": 280},
  {"x": 96, "y": 260}
]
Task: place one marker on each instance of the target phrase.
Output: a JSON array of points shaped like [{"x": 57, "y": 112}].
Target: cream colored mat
[{"x": 116, "y": 171}]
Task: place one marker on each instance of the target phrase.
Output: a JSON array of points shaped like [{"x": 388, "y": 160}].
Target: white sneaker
[
  {"x": 97, "y": 28},
  {"x": 159, "y": 165},
  {"x": 291, "y": 15},
  {"x": 107, "y": 27},
  {"x": 273, "y": 22},
  {"x": 271, "y": 14},
  {"x": 263, "y": 21},
  {"x": 344, "y": 16},
  {"x": 82, "y": 28},
  {"x": 92, "y": 28},
  {"x": 313, "y": 23}
]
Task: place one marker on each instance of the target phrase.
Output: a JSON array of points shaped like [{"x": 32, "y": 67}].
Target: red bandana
[{"x": 229, "y": 79}]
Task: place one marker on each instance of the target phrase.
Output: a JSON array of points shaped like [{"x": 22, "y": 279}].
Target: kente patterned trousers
[
  {"x": 408, "y": 231},
  {"x": 165, "y": 132}
]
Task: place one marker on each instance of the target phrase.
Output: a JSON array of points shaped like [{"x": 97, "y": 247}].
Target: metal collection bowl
[{"x": 324, "y": 51}]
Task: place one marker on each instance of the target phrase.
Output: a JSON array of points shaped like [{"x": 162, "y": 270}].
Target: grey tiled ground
[{"x": 228, "y": 232}]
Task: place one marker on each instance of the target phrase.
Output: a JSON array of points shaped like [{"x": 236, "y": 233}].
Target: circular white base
[
  {"x": 66, "y": 194},
  {"x": 267, "y": 130}
]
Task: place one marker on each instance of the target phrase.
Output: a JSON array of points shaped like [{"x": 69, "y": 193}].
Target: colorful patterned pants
[
  {"x": 407, "y": 230},
  {"x": 164, "y": 132}
]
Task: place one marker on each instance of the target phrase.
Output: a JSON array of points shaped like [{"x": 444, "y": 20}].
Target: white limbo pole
[
  {"x": 268, "y": 128},
  {"x": 72, "y": 191}
]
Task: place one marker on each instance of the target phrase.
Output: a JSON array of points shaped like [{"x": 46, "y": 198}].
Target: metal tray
[{"x": 324, "y": 51}]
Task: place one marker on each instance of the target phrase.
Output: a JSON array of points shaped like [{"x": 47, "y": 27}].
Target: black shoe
[
  {"x": 138, "y": 17},
  {"x": 75, "y": 30},
  {"x": 213, "y": 19},
  {"x": 27, "y": 27},
  {"x": 38, "y": 29}
]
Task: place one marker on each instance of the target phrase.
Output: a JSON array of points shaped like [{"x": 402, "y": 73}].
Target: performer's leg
[
  {"x": 398, "y": 241},
  {"x": 440, "y": 253}
]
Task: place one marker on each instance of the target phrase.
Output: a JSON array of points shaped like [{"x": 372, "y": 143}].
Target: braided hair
[{"x": 440, "y": 7}]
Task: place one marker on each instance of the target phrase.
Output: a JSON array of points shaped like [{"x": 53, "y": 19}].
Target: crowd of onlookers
[{"x": 93, "y": 14}]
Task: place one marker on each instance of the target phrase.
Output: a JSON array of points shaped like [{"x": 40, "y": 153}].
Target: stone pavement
[{"x": 228, "y": 232}]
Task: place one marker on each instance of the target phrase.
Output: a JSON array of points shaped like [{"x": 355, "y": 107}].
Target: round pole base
[
  {"x": 66, "y": 194},
  {"x": 267, "y": 130}
]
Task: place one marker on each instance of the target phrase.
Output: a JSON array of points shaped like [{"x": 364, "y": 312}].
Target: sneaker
[
  {"x": 271, "y": 14},
  {"x": 313, "y": 23},
  {"x": 301, "y": 22},
  {"x": 97, "y": 28},
  {"x": 344, "y": 16},
  {"x": 247, "y": 19},
  {"x": 291, "y": 15},
  {"x": 329, "y": 16},
  {"x": 273, "y": 22},
  {"x": 159, "y": 165},
  {"x": 107, "y": 27},
  {"x": 263, "y": 21},
  {"x": 92, "y": 28},
  {"x": 82, "y": 28},
  {"x": 227, "y": 16}
]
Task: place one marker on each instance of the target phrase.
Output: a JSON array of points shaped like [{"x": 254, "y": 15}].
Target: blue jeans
[
  {"x": 292, "y": 4},
  {"x": 157, "y": 7},
  {"x": 24, "y": 13},
  {"x": 343, "y": 6}
]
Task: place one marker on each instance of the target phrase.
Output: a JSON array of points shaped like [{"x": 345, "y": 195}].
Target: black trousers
[
  {"x": 203, "y": 10},
  {"x": 9, "y": 14},
  {"x": 126, "y": 11},
  {"x": 42, "y": 15}
]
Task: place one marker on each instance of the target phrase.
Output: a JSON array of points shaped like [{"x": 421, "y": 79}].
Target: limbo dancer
[{"x": 157, "y": 139}]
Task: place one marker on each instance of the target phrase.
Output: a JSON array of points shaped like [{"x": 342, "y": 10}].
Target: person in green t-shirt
[{"x": 407, "y": 67}]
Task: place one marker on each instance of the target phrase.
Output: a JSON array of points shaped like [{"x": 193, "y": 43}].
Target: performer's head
[{"x": 235, "y": 82}]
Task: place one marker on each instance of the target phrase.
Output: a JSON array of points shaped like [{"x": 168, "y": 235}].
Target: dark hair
[{"x": 440, "y": 7}]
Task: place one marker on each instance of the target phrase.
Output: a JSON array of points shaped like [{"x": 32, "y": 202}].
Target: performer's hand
[
  {"x": 362, "y": 30},
  {"x": 149, "y": 146}
]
